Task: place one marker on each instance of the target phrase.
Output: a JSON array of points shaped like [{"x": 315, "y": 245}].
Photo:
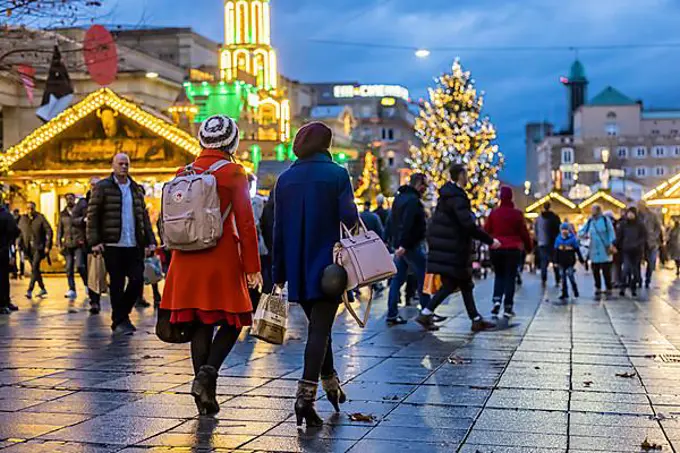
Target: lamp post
[
  {"x": 527, "y": 191},
  {"x": 604, "y": 175}
]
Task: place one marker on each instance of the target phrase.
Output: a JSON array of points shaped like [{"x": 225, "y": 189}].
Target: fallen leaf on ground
[
  {"x": 359, "y": 417},
  {"x": 537, "y": 368},
  {"x": 649, "y": 446},
  {"x": 455, "y": 360},
  {"x": 659, "y": 417},
  {"x": 391, "y": 398},
  {"x": 147, "y": 357},
  {"x": 587, "y": 383},
  {"x": 626, "y": 374}
]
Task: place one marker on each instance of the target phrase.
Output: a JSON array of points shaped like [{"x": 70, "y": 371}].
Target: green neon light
[
  {"x": 256, "y": 155},
  {"x": 280, "y": 152}
]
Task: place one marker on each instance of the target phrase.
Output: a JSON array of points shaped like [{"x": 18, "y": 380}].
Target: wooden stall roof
[
  {"x": 666, "y": 193},
  {"x": 567, "y": 205}
]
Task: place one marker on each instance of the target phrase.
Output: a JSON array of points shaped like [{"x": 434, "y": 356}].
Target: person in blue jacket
[
  {"x": 567, "y": 249},
  {"x": 602, "y": 235},
  {"x": 311, "y": 198}
]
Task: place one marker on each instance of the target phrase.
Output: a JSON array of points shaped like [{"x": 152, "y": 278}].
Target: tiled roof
[{"x": 611, "y": 96}]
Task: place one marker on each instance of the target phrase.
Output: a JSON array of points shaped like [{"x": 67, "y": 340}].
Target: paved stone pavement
[{"x": 585, "y": 377}]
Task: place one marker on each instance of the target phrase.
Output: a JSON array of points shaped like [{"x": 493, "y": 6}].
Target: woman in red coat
[
  {"x": 506, "y": 223},
  {"x": 210, "y": 287}
]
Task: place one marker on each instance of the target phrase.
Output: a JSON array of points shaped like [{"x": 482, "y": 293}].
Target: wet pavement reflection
[{"x": 588, "y": 376}]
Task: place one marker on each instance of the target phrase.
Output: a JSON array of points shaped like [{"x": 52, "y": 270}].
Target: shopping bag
[
  {"x": 153, "y": 271},
  {"x": 269, "y": 321},
  {"x": 433, "y": 283},
  {"x": 96, "y": 273},
  {"x": 171, "y": 333}
]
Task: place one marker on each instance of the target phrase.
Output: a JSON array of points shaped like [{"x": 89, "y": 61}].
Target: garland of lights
[{"x": 450, "y": 130}]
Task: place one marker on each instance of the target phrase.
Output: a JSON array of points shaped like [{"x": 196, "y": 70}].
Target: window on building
[
  {"x": 674, "y": 132},
  {"x": 390, "y": 134},
  {"x": 567, "y": 156},
  {"x": 612, "y": 129},
  {"x": 567, "y": 177},
  {"x": 659, "y": 170},
  {"x": 622, "y": 152},
  {"x": 676, "y": 151},
  {"x": 640, "y": 152},
  {"x": 659, "y": 151},
  {"x": 655, "y": 132},
  {"x": 390, "y": 159},
  {"x": 640, "y": 172}
]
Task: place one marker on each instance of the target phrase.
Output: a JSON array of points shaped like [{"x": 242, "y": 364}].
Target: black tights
[
  {"x": 206, "y": 350},
  {"x": 319, "y": 351}
]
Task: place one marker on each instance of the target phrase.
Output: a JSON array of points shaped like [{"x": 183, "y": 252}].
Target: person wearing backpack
[
  {"x": 209, "y": 276},
  {"x": 311, "y": 198},
  {"x": 600, "y": 231}
]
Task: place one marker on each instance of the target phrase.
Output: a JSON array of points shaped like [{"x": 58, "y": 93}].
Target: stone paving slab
[{"x": 581, "y": 377}]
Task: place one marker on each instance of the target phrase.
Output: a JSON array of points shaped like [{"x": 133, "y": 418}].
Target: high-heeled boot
[
  {"x": 334, "y": 393},
  {"x": 304, "y": 404},
  {"x": 204, "y": 390}
]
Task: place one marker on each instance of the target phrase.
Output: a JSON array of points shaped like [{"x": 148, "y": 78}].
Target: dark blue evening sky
[{"x": 520, "y": 86}]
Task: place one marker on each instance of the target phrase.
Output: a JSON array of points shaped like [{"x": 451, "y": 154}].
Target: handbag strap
[{"x": 362, "y": 322}]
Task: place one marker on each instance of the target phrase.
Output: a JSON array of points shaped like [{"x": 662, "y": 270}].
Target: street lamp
[
  {"x": 527, "y": 188},
  {"x": 422, "y": 53}
]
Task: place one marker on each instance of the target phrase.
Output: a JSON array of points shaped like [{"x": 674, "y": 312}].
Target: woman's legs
[
  {"x": 206, "y": 350},
  {"x": 200, "y": 346},
  {"x": 318, "y": 352}
]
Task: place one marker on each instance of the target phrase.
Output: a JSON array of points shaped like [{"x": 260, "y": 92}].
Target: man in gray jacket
[
  {"x": 654, "y": 229},
  {"x": 546, "y": 229}
]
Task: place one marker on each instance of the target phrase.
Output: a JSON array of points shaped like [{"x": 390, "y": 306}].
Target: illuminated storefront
[
  {"x": 665, "y": 196},
  {"x": 61, "y": 156}
]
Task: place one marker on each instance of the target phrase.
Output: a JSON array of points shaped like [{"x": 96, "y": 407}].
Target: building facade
[
  {"x": 375, "y": 118},
  {"x": 615, "y": 143}
]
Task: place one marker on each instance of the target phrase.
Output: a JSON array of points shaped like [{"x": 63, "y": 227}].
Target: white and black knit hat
[{"x": 219, "y": 132}]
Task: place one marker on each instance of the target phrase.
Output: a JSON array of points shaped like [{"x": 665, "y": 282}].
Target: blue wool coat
[
  {"x": 311, "y": 198},
  {"x": 602, "y": 236}
]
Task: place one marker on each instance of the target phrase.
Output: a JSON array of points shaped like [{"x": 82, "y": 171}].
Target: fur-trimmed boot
[
  {"x": 304, "y": 404},
  {"x": 334, "y": 393}
]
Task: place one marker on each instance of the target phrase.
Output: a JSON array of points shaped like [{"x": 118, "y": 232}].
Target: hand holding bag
[
  {"x": 96, "y": 273},
  {"x": 271, "y": 317},
  {"x": 366, "y": 260}
]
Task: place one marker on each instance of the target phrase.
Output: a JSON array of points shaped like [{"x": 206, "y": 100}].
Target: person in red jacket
[{"x": 506, "y": 223}]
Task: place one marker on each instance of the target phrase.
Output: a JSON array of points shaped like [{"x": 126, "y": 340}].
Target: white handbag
[{"x": 365, "y": 258}]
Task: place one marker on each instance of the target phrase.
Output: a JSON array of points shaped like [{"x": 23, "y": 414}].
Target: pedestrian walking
[
  {"x": 408, "y": 228},
  {"x": 36, "y": 240},
  {"x": 18, "y": 266},
  {"x": 567, "y": 250},
  {"x": 674, "y": 244},
  {"x": 655, "y": 239},
  {"x": 450, "y": 235},
  {"x": 9, "y": 231},
  {"x": 312, "y": 197},
  {"x": 372, "y": 220},
  {"x": 71, "y": 242},
  {"x": 80, "y": 222},
  {"x": 380, "y": 210},
  {"x": 210, "y": 287},
  {"x": 631, "y": 240},
  {"x": 267, "y": 229},
  {"x": 599, "y": 230},
  {"x": 118, "y": 226},
  {"x": 546, "y": 230},
  {"x": 506, "y": 223}
]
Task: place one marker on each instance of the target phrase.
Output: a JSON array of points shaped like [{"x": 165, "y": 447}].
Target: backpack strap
[{"x": 216, "y": 166}]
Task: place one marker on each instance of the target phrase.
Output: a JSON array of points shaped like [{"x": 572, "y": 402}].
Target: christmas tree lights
[
  {"x": 452, "y": 130},
  {"x": 369, "y": 184}
]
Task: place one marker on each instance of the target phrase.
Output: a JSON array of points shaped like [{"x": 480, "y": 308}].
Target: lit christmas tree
[
  {"x": 451, "y": 130},
  {"x": 369, "y": 183}
]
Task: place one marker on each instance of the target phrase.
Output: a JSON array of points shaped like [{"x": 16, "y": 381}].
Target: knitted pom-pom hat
[{"x": 219, "y": 132}]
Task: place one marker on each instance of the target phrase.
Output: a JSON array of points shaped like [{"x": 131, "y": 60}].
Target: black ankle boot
[
  {"x": 204, "y": 390},
  {"x": 304, "y": 405},
  {"x": 334, "y": 393}
]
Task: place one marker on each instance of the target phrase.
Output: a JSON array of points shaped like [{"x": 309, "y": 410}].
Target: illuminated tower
[
  {"x": 247, "y": 47},
  {"x": 247, "y": 56}
]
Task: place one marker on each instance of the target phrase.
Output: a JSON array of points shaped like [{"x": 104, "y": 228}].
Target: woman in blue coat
[
  {"x": 600, "y": 231},
  {"x": 311, "y": 198}
]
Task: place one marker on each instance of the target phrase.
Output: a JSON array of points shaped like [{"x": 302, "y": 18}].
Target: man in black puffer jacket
[
  {"x": 118, "y": 226},
  {"x": 450, "y": 235},
  {"x": 9, "y": 231},
  {"x": 407, "y": 237}
]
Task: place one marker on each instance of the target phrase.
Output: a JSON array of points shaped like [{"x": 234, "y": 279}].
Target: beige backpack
[{"x": 191, "y": 218}]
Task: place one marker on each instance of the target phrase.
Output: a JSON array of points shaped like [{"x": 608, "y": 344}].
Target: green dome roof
[{"x": 577, "y": 73}]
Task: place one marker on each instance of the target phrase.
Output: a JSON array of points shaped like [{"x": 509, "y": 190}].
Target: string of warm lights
[
  {"x": 600, "y": 195},
  {"x": 451, "y": 129},
  {"x": 92, "y": 102}
]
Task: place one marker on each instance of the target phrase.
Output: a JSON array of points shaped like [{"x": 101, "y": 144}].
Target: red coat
[
  {"x": 214, "y": 279},
  {"x": 506, "y": 223}
]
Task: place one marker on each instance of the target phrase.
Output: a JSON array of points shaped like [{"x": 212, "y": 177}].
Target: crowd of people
[{"x": 287, "y": 241}]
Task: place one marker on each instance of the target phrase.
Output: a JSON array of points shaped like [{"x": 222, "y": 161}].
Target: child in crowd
[{"x": 567, "y": 249}]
